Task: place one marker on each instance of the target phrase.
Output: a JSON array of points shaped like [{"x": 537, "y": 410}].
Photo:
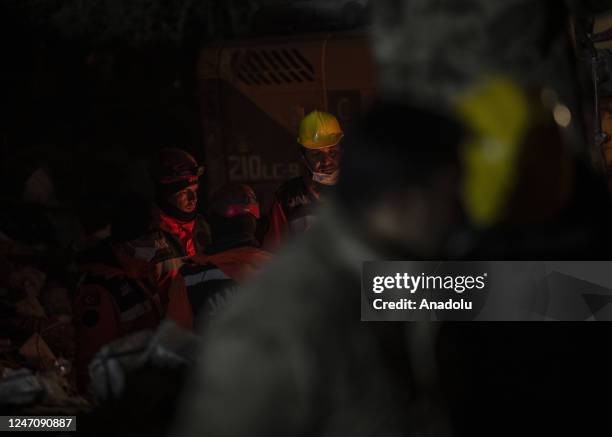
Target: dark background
[{"x": 90, "y": 89}]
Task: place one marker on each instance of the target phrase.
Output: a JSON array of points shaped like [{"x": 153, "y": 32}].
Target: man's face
[
  {"x": 186, "y": 200},
  {"x": 326, "y": 160}
]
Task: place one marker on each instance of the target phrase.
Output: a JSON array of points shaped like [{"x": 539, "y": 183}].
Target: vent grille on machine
[{"x": 273, "y": 67}]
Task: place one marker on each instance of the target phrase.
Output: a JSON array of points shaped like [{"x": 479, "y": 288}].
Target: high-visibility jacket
[
  {"x": 238, "y": 263},
  {"x": 185, "y": 238},
  {"x": 115, "y": 299},
  {"x": 212, "y": 280},
  {"x": 292, "y": 212}
]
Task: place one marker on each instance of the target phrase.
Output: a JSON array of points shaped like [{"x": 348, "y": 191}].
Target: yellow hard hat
[{"x": 319, "y": 130}]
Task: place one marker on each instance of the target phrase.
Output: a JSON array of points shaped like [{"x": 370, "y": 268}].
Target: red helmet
[
  {"x": 233, "y": 200},
  {"x": 176, "y": 165}
]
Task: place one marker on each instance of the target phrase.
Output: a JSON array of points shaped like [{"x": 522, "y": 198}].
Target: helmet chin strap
[{"x": 326, "y": 179}]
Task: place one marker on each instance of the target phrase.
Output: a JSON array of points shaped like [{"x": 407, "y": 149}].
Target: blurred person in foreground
[
  {"x": 293, "y": 209},
  {"x": 529, "y": 193},
  {"x": 122, "y": 292},
  {"x": 313, "y": 367}
]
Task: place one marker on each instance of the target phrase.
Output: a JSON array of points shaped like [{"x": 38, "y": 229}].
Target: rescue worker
[
  {"x": 122, "y": 293},
  {"x": 235, "y": 254},
  {"x": 176, "y": 174},
  {"x": 234, "y": 213},
  {"x": 293, "y": 207}
]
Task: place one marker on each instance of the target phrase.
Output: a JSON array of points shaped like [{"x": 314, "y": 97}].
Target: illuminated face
[
  {"x": 186, "y": 200},
  {"x": 325, "y": 161}
]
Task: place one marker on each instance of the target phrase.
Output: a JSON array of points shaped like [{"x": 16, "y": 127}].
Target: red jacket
[
  {"x": 212, "y": 281},
  {"x": 115, "y": 300},
  {"x": 293, "y": 212},
  {"x": 186, "y": 238}
]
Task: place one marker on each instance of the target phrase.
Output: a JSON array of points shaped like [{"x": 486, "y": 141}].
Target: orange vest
[
  {"x": 114, "y": 301},
  {"x": 239, "y": 263}
]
